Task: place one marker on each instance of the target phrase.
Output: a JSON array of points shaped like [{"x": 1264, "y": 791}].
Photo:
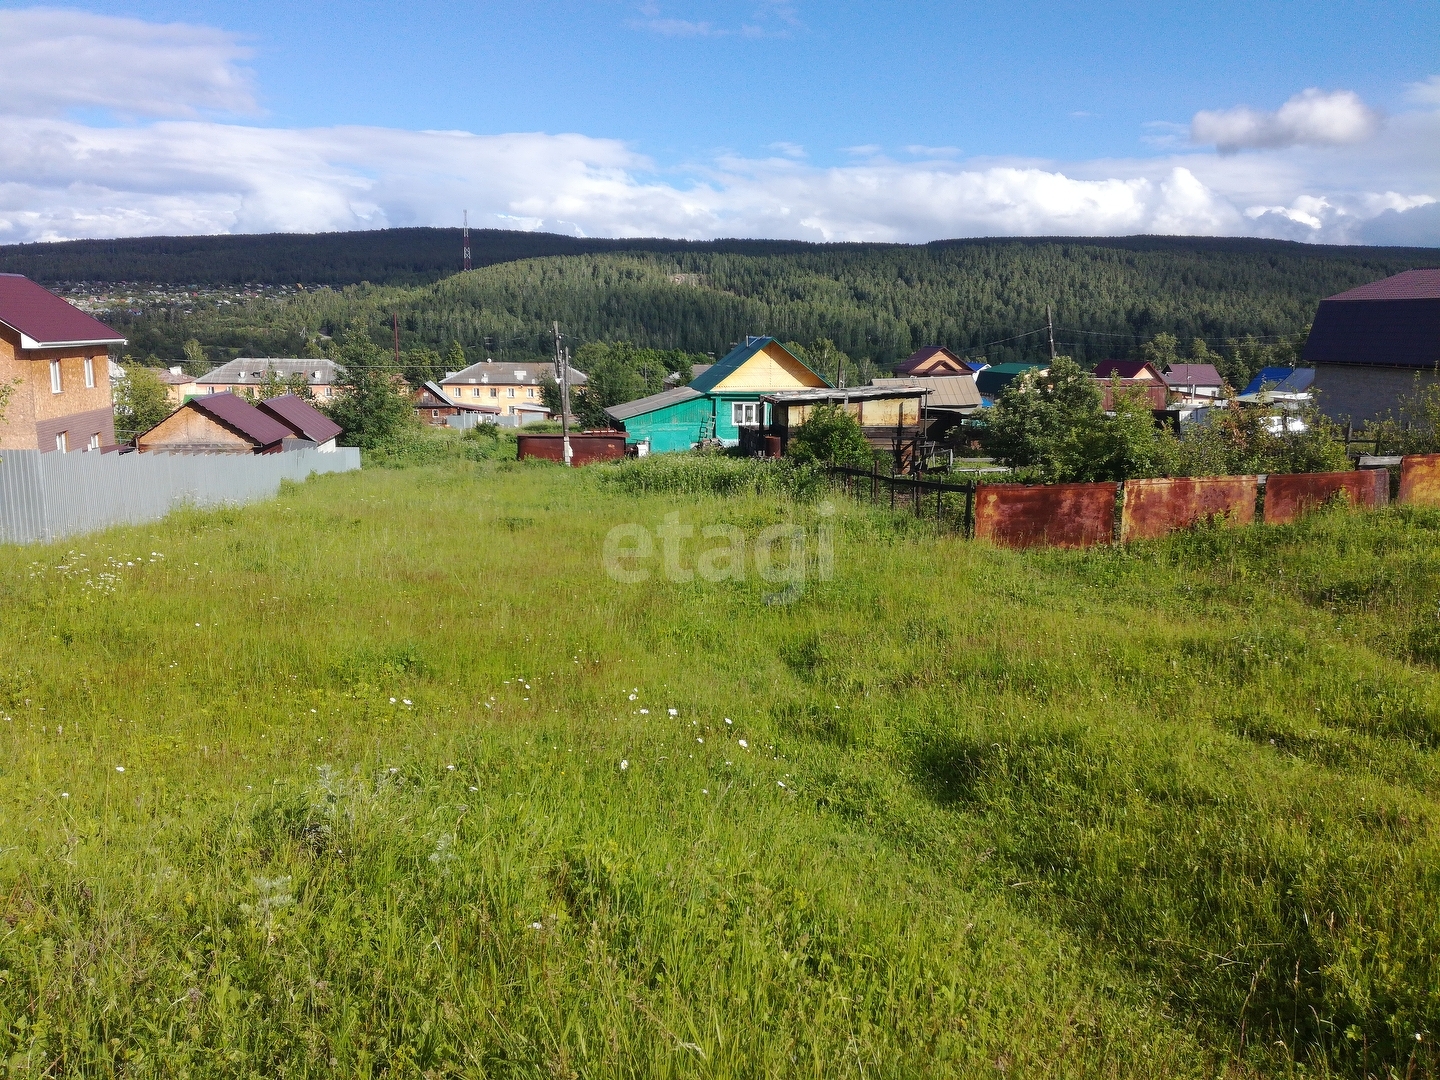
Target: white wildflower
[
  {"x": 674, "y": 712},
  {"x": 744, "y": 745},
  {"x": 119, "y": 768},
  {"x": 624, "y": 764}
]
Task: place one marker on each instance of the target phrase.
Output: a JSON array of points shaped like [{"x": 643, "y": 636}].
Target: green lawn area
[{"x": 382, "y": 777}]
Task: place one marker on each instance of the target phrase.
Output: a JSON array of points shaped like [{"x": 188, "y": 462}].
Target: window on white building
[
  {"x": 55, "y": 376},
  {"x": 744, "y": 413},
  {"x": 89, "y": 373},
  {"x": 62, "y": 442}
]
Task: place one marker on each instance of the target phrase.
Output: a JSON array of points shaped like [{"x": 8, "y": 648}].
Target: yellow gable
[{"x": 771, "y": 368}]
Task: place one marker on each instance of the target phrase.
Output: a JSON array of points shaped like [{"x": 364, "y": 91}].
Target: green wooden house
[{"x": 720, "y": 402}]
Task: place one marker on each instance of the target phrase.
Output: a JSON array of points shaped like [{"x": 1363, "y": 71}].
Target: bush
[
  {"x": 1239, "y": 441},
  {"x": 830, "y": 435},
  {"x": 701, "y": 473}
]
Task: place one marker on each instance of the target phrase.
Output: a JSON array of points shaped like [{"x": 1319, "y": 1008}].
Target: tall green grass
[{"x": 1164, "y": 811}]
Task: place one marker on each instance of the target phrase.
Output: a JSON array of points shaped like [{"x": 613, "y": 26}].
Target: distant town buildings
[{"x": 248, "y": 372}]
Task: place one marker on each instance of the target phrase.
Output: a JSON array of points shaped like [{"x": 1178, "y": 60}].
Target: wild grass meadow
[{"x": 388, "y": 777}]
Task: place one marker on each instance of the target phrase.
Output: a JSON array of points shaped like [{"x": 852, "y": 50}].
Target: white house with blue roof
[{"x": 719, "y": 402}]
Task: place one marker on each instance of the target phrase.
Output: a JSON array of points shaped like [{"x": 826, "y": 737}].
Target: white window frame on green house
[{"x": 740, "y": 409}]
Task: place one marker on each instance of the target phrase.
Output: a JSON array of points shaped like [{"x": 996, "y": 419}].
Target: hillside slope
[{"x": 875, "y": 301}]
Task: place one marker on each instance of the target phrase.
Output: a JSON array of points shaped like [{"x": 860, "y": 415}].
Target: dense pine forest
[{"x": 986, "y": 298}]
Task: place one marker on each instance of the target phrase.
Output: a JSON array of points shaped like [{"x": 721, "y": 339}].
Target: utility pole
[
  {"x": 562, "y": 369},
  {"x": 467, "y": 240},
  {"x": 1050, "y": 326}
]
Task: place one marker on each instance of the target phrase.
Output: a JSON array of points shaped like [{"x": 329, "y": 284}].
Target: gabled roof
[
  {"x": 44, "y": 320},
  {"x": 239, "y": 415},
  {"x": 1394, "y": 323},
  {"x": 930, "y": 357},
  {"x": 250, "y": 370},
  {"x": 736, "y": 358},
  {"x": 489, "y": 373},
  {"x": 301, "y": 417},
  {"x": 1183, "y": 375},
  {"x": 1126, "y": 369},
  {"x": 946, "y": 391},
  {"x": 1282, "y": 380},
  {"x": 1410, "y": 285},
  {"x": 653, "y": 403},
  {"x": 994, "y": 379}
]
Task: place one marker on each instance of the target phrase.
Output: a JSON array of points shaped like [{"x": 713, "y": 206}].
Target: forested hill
[
  {"x": 874, "y": 301},
  {"x": 424, "y": 255},
  {"x": 379, "y": 256}
]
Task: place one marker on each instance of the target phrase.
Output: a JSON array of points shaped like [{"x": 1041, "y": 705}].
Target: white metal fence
[{"x": 50, "y": 496}]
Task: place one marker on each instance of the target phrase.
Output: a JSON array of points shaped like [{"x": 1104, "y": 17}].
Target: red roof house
[
  {"x": 56, "y": 358},
  {"x": 302, "y": 418},
  {"x": 217, "y": 424}
]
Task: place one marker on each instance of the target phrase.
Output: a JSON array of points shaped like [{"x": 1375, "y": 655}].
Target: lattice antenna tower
[{"x": 467, "y": 240}]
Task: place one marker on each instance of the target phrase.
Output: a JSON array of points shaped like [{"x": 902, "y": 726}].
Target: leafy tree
[
  {"x": 424, "y": 365},
  {"x": 455, "y": 358},
  {"x": 274, "y": 384},
  {"x": 141, "y": 402},
  {"x": 830, "y": 436},
  {"x": 195, "y": 362},
  {"x": 1052, "y": 426},
  {"x": 1162, "y": 350},
  {"x": 371, "y": 405}
]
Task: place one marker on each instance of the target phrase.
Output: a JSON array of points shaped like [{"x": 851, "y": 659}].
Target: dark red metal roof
[
  {"x": 1394, "y": 322},
  {"x": 1410, "y": 285},
  {"x": 46, "y": 319},
  {"x": 1183, "y": 375},
  {"x": 300, "y": 416},
  {"x": 243, "y": 417},
  {"x": 1125, "y": 369}
]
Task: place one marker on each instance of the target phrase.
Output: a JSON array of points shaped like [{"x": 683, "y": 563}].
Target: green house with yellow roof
[{"x": 720, "y": 402}]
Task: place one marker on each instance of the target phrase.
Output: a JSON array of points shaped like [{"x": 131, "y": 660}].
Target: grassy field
[{"x": 388, "y": 777}]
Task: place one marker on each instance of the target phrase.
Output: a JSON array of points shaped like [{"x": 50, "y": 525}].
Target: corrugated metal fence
[
  {"x": 51, "y": 496},
  {"x": 1080, "y": 515}
]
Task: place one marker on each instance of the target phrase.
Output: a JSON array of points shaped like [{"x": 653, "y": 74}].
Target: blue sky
[{"x": 707, "y": 117}]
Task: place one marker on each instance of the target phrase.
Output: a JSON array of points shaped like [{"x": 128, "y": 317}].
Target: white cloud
[
  {"x": 61, "y": 177},
  {"x": 58, "y": 60},
  {"x": 1310, "y": 118},
  {"x": 1424, "y": 93}
]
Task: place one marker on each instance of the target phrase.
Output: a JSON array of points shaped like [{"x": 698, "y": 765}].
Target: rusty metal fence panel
[
  {"x": 1289, "y": 497},
  {"x": 50, "y": 496},
  {"x": 1058, "y": 515},
  {"x": 1420, "y": 480},
  {"x": 1153, "y": 508}
]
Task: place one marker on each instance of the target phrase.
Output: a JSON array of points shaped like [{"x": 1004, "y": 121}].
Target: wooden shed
[{"x": 217, "y": 424}]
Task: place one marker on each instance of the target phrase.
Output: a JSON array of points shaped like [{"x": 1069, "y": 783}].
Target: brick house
[{"x": 57, "y": 358}]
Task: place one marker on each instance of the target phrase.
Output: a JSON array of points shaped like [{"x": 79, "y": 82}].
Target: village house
[
  {"x": 719, "y": 403},
  {"x": 434, "y": 407},
  {"x": 1138, "y": 375},
  {"x": 248, "y": 372},
  {"x": 55, "y": 359},
  {"x": 1371, "y": 345},
  {"x": 306, "y": 421},
  {"x": 218, "y": 424},
  {"x": 517, "y": 390},
  {"x": 1194, "y": 381},
  {"x": 935, "y": 360}
]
